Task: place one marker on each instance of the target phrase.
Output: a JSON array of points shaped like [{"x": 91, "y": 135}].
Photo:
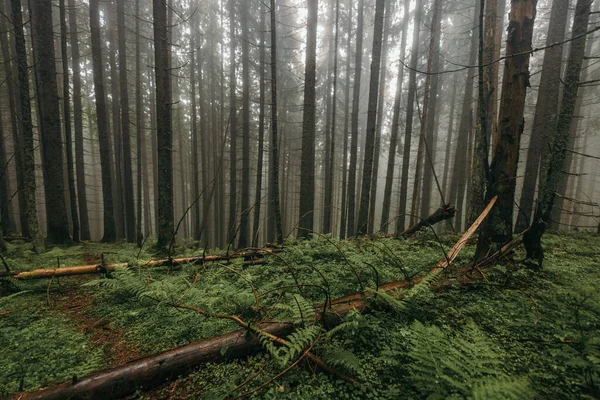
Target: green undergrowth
[{"x": 515, "y": 334}]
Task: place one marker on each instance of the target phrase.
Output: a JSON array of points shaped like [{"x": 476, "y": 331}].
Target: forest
[{"x": 370, "y": 199}]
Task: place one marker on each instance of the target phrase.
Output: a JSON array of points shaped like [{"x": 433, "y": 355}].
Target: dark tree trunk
[
  {"x": 307, "y": 167},
  {"x": 430, "y": 112},
  {"x": 47, "y": 92},
  {"x": 232, "y": 127},
  {"x": 344, "y": 211},
  {"x": 125, "y": 131},
  {"x": 78, "y": 125},
  {"x": 164, "y": 134},
  {"x": 29, "y": 184},
  {"x": 389, "y": 177},
  {"x": 330, "y": 159},
  {"x": 4, "y": 189},
  {"x": 532, "y": 239},
  {"x": 244, "y": 221},
  {"x": 67, "y": 121},
  {"x": 110, "y": 231},
  {"x": 545, "y": 113},
  {"x": 354, "y": 122},
  {"x": 410, "y": 107},
  {"x": 503, "y": 169},
  {"x": 363, "y": 215},
  {"x": 195, "y": 164},
  {"x": 261, "y": 127},
  {"x": 139, "y": 110}
]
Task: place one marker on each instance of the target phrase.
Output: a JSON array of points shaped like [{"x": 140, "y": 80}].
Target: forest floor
[{"x": 510, "y": 333}]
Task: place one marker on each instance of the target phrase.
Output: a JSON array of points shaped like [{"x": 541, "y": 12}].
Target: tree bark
[
  {"x": 545, "y": 113},
  {"x": 47, "y": 92},
  {"x": 139, "y": 110},
  {"x": 412, "y": 88},
  {"x": 363, "y": 215},
  {"x": 232, "y": 127},
  {"x": 244, "y": 219},
  {"x": 503, "y": 169},
  {"x": 28, "y": 154},
  {"x": 110, "y": 232},
  {"x": 545, "y": 203},
  {"x": 164, "y": 132},
  {"x": 307, "y": 167}
]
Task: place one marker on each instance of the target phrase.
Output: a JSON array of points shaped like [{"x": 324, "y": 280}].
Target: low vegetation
[{"x": 507, "y": 332}]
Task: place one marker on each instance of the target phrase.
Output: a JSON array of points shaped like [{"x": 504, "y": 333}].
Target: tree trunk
[
  {"x": 110, "y": 232},
  {"x": 125, "y": 132},
  {"x": 28, "y": 189},
  {"x": 244, "y": 221},
  {"x": 232, "y": 127},
  {"x": 545, "y": 113},
  {"x": 47, "y": 92},
  {"x": 139, "y": 110},
  {"x": 67, "y": 121},
  {"x": 389, "y": 177},
  {"x": 344, "y": 213},
  {"x": 503, "y": 169},
  {"x": 330, "y": 160},
  {"x": 429, "y": 114},
  {"x": 351, "y": 226},
  {"x": 532, "y": 239},
  {"x": 307, "y": 167},
  {"x": 78, "y": 125},
  {"x": 363, "y": 215},
  {"x": 412, "y": 88},
  {"x": 261, "y": 128}
]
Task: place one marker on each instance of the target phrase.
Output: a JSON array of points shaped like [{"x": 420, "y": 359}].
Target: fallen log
[
  {"x": 100, "y": 268},
  {"x": 152, "y": 371},
  {"x": 441, "y": 214}
]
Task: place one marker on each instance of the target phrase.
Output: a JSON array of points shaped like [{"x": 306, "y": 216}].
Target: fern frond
[{"x": 343, "y": 358}]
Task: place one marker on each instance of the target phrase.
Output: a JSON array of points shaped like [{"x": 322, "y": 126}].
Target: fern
[
  {"x": 503, "y": 388},
  {"x": 295, "y": 344},
  {"x": 343, "y": 358}
]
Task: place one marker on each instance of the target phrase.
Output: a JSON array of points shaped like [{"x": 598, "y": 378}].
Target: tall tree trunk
[
  {"x": 139, "y": 110},
  {"x": 125, "y": 132},
  {"x": 354, "y": 122},
  {"x": 195, "y": 165},
  {"x": 78, "y": 125},
  {"x": 4, "y": 189},
  {"x": 244, "y": 225},
  {"x": 307, "y": 167},
  {"x": 261, "y": 127},
  {"x": 164, "y": 132},
  {"x": 459, "y": 172},
  {"x": 412, "y": 88},
  {"x": 389, "y": 177},
  {"x": 330, "y": 160},
  {"x": 28, "y": 154},
  {"x": 545, "y": 112},
  {"x": 47, "y": 92},
  {"x": 532, "y": 239},
  {"x": 449, "y": 138},
  {"x": 67, "y": 121},
  {"x": 502, "y": 178},
  {"x": 344, "y": 213},
  {"x": 363, "y": 215},
  {"x": 274, "y": 138},
  {"x": 232, "y": 126},
  {"x": 428, "y": 126}
]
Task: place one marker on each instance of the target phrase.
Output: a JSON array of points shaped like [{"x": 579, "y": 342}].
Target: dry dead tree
[{"x": 152, "y": 371}]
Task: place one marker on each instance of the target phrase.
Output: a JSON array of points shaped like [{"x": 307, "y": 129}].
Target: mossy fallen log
[{"x": 152, "y": 371}]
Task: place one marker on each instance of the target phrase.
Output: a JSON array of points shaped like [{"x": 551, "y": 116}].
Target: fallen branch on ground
[
  {"x": 441, "y": 214},
  {"x": 99, "y": 268},
  {"x": 151, "y": 371}
]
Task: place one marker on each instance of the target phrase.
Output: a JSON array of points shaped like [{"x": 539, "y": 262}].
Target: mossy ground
[{"x": 538, "y": 330}]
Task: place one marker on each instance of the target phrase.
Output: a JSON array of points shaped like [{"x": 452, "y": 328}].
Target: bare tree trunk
[
  {"x": 195, "y": 165},
  {"x": 545, "y": 113},
  {"x": 498, "y": 228},
  {"x": 28, "y": 189},
  {"x": 232, "y": 126},
  {"x": 412, "y": 88},
  {"x": 449, "y": 138},
  {"x": 164, "y": 132},
  {"x": 532, "y": 238},
  {"x": 307, "y": 167},
  {"x": 244, "y": 222},
  {"x": 78, "y": 125},
  {"x": 261, "y": 127},
  {"x": 52, "y": 154},
  {"x": 354, "y": 122},
  {"x": 428, "y": 125},
  {"x": 344, "y": 213},
  {"x": 389, "y": 177},
  {"x": 141, "y": 160},
  {"x": 363, "y": 215}
]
